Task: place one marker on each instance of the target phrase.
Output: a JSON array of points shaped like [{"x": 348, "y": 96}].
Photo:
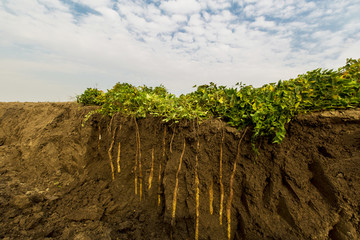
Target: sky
[{"x": 52, "y": 50}]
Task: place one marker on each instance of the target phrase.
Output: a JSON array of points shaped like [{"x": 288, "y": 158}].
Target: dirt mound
[{"x": 126, "y": 179}]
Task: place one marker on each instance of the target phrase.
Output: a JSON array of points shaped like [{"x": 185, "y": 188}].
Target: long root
[
  {"x": 118, "y": 154},
  {"x": 99, "y": 138},
  {"x": 211, "y": 196},
  {"x": 197, "y": 182},
  {"x": 136, "y": 157},
  {"x": 177, "y": 186},
  {"x": 152, "y": 168},
  {"x": 110, "y": 153},
  {"x": 220, "y": 179},
  {"x": 172, "y": 139},
  {"x": 160, "y": 165},
  {"x": 231, "y": 194},
  {"x": 138, "y": 160}
]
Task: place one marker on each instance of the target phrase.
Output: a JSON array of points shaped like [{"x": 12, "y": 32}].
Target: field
[{"x": 276, "y": 162}]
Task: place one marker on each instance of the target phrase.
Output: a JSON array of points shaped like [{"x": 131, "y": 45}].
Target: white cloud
[
  {"x": 215, "y": 5},
  {"x": 47, "y": 46},
  {"x": 262, "y": 23},
  {"x": 94, "y": 3},
  {"x": 178, "y": 18},
  {"x": 180, "y": 6}
]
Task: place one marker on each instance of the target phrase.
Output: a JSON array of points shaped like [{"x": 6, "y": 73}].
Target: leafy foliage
[
  {"x": 91, "y": 96},
  {"x": 267, "y": 108}
]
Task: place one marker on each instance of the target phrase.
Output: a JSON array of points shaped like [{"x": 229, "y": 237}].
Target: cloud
[
  {"x": 180, "y": 6},
  {"x": 262, "y": 23},
  {"x": 215, "y": 6},
  {"x": 57, "y": 45}
]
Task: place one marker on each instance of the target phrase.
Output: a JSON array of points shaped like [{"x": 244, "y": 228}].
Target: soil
[{"x": 56, "y": 180}]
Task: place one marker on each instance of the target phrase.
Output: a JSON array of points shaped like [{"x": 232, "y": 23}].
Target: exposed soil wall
[{"x": 56, "y": 180}]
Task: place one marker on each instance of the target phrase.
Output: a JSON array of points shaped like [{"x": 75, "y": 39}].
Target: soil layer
[{"x": 125, "y": 179}]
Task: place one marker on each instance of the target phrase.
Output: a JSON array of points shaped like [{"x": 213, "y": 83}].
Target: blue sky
[{"x": 52, "y": 50}]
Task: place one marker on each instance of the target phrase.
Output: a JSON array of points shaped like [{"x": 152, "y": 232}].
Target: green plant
[
  {"x": 268, "y": 108},
  {"x": 91, "y": 96}
]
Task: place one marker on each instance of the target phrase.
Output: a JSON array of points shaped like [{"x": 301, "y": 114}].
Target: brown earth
[{"x": 56, "y": 179}]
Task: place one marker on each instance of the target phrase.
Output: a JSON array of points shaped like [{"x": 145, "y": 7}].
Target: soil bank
[{"x": 183, "y": 181}]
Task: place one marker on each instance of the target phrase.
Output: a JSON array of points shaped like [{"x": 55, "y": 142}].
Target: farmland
[{"x": 276, "y": 162}]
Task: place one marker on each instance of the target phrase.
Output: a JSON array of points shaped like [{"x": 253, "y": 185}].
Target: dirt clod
[{"x": 21, "y": 201}]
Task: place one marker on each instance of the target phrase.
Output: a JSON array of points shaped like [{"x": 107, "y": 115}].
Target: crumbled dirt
[{"x": 56, "y": 179}]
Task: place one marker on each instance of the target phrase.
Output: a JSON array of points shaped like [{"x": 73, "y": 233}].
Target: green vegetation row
[{"x": 267, "y": 108}]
